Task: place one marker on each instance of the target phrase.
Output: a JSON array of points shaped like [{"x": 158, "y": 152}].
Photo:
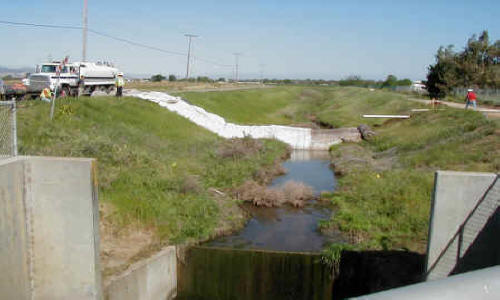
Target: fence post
[{"x": 14, "y": 128}]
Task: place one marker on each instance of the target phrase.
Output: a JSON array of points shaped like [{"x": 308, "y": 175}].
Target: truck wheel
[{"x": 111, "y": 90}]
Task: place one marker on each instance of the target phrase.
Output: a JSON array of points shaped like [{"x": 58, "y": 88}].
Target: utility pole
[
  {"x": 189, "y": 36},
  {"x": 261, "y": 72},
  {"x": 236, "y": 57},
  {"x": 84, "y": 33}
]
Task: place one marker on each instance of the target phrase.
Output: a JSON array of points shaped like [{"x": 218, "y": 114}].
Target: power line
[
  {"x": 40, "y": 25},
  {"x": 137, "y": 44}
]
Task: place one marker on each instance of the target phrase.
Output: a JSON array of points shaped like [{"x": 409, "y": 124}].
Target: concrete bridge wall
[
  {"x": 149, "y": 279},
  {"x": 456, "y": 195},
  {"x": 49, "y": 229}
]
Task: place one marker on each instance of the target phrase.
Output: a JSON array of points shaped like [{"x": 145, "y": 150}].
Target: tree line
[
  {"x": 477, "y": 66},
  {"x": 390, "y": 82}
]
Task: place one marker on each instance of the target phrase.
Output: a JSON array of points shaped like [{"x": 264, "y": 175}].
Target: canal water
[
  {"x": 276, "y": 255},
  {"x": 287, "y": 228}
]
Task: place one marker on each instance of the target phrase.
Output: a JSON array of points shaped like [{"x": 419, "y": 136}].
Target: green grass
[
  {"x": 258, "y": 106},
  {"x": 337, "y": 106},
  {"x": 154, "y": 166},
  {"x": 389, "y": 208}
]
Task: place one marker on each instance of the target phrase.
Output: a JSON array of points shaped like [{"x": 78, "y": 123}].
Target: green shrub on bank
[{"x": 384, "y": 209}]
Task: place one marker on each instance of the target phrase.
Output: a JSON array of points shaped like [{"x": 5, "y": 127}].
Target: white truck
[{"x": 78, "y": 78}]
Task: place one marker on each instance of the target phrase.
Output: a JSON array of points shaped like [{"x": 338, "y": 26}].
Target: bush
[
  {"x": 239, "y": 148},
  {"x": 157, "y": 78},
  {"x": 292, "y": 192}
]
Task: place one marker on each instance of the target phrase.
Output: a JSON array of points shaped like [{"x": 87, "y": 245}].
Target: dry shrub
[
  {"x": 265, "y": 175},
  {"x": 238, "y": 148},
  {"x": 190, "y": 184},
  {"x": 297, "y": 193},
  {"x": 293, "y": 193}
]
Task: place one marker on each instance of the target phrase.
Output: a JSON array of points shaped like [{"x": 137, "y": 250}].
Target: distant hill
[{"x": 16, "y": 72}]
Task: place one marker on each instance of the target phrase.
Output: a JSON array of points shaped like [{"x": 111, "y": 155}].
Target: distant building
[{"x": 418, "y": 86}]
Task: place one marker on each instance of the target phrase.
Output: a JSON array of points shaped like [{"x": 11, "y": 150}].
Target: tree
[
  {"x": 404, "y": 82},
  {"x": 391, "y": 81},
  {"x": 477, "y": 65},
  {"x": 444, "y": 75},
  {"x": 157, "y": 78},
  {"x": 203, "y": 79},
  {"x": 172, "y": 77}
]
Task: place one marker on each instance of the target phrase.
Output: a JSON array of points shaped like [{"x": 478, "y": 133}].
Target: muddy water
[
  {"x": 287, "y": 228},
  {"x": 276, "y": 255}
]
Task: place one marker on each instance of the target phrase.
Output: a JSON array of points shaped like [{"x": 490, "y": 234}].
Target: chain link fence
[
  {"x": 487, "y": 96},
  {"x": 8, "y": 129}
]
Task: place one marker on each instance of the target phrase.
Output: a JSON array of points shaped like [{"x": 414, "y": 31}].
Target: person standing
[
  {"x": 119, "y": 83},
  {"x": 81, "y": 85},
  {"x": 471, "y": 98},
  {"x": 46, "y": 95}
]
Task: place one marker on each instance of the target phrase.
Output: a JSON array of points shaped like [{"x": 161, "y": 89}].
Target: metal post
[
  {"x": 84, "y": 33},
  {"x": 53, "y": 102},
  {"x": 236, "y": 55},
  {"x": 14, "y": 129}
]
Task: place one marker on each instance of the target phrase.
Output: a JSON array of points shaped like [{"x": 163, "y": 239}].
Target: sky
[{"x": 278, "y": 39}]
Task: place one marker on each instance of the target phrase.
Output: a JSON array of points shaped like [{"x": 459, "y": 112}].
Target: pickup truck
[{"x": 11, "y": 91}]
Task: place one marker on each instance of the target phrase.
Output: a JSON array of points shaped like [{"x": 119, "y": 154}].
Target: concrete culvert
[{"x": 366, "y": 132}]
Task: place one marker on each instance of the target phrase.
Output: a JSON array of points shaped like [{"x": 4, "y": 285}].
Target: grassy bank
[
  {"x": 332, "y": 106},
  {"x": 179, "y": 86},
  {"x": 155, "y": 168},
  {"x": 384, "y": 194}
]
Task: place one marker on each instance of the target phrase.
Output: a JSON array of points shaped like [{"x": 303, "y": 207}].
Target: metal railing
[
  {"x": 459, "y": 234},
  {"x": 8, "y": 129}
]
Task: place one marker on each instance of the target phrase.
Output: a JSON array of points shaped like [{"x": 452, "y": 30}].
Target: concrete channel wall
[
  {"x": 14, "y": 267},
  {"x": 49, "y": 229},
  {"x": 456, "y": 195},
  {"x": 150, "y": 279}
]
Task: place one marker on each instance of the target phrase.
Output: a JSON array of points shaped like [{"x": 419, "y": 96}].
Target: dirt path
[{"x": 491, "y": 112}]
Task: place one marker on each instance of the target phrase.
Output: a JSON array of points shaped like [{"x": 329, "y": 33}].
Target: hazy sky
[{"x": 294, "y": 39}]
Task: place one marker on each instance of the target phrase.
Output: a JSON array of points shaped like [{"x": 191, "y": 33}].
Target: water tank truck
[{"x": 77, "y": 78}]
